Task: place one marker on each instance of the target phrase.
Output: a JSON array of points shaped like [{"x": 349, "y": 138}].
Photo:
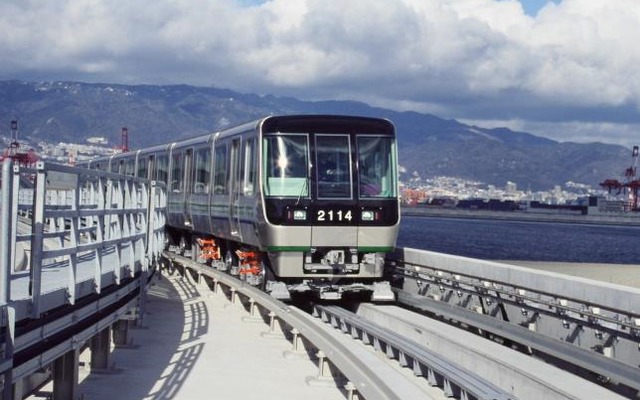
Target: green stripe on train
[
  {"x": 373, "y": 249},
  {"x": 274, "y": 249}
]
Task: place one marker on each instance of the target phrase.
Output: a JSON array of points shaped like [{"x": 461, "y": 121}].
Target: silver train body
[{"x": 315, "y": 197}]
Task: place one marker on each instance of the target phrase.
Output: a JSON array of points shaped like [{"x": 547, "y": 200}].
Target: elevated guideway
[
  {"x": 464, "y": 361},
  {"x": 77, "y": 250},
  {"x": 79, "y": 247}
]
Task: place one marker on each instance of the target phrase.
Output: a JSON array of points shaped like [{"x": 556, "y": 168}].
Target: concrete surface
[
  {"x": 194, "y": 345},
  {"x": 620, "y": 274}
]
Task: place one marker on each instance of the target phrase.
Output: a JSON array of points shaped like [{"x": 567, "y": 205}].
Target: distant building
[{"x": 97, "y": 140}]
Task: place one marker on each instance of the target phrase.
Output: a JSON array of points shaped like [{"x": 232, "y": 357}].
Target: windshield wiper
[{"x": 303, "y": 190}]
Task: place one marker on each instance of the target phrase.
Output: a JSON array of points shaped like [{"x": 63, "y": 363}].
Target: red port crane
[
  {"x": 13, "y": 151},
  {"x": 632, "y": 183},
  {"x": 124, "y": 141}
]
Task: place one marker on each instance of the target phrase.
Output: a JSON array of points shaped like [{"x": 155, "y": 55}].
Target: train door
[
  {"x": 188, "y": 186},
  {"x": 175, "y": 201},
  {"x": 234, "y": 189}
]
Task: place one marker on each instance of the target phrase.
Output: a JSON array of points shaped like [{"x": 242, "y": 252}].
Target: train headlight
[
  {"x": 299, "y": 215},
  {"x": 368, "y": 215}
]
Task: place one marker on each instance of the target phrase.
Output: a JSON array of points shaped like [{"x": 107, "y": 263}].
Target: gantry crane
[{"x": 631, "y": 182}]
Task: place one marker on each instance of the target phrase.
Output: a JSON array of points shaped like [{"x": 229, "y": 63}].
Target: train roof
[
  {"x": 276, "y": 123},
  {"x": 327, "y": 123}
]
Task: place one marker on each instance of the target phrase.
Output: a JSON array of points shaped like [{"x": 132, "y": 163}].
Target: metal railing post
[
  {"x": 37, "y": 241},
  {"x": 6, "y": 268},
  {"x": 5, "y": 233}
]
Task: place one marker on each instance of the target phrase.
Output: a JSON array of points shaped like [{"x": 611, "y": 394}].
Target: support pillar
[
  {"x": 100, "y": 350},
  {"x": 17, "y": 390},
  {"x": 65, "y": 376},
  {"x": 121, "y": 333}
]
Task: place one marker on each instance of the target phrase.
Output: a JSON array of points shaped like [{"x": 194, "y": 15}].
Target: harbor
[{"x": 614, "y": 218}]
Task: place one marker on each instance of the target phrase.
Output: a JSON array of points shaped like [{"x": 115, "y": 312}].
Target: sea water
[{"x": 531, "y": 241}]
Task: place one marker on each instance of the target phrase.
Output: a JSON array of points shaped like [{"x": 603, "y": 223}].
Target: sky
[{"x": 563, "y": 69}]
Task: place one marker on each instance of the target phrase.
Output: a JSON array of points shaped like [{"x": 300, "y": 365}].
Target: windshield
[
  {"x": 334, "y": 166},
  {"x": 286, "y": 165},
  {"x": 377, "y": 167}
]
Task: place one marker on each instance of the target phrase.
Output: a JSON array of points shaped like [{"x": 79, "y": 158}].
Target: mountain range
[{"x": 429, "y": 145}]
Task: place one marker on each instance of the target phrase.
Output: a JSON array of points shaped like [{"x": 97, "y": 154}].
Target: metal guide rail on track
[
  {"x": 597, "y": 324},
  {"x": 439, "y": 371},
  {"x": 77, "y": 249},
  {"x": 360, "y": 367}
]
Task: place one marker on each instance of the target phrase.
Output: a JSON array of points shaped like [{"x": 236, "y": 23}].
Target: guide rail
[
  {"x": 590, "y": 324},
  {"x": 453, "y": 379}
]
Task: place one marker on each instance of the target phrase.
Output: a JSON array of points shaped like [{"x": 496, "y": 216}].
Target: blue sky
[
  {"x": 531, "y": 7},
  {"x": 566, "y": 70}
]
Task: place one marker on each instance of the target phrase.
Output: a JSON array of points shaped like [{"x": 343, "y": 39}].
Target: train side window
[
  {"x": 249, "y": 183},
  {"x": 162, "y": 168},
  {"x": 220, "y": 181},
  {"x": 142, "y": 167},
  {"x": 130, "y": 167},
  {"x": 202, "y": 171},
  {"x": 177, "y": 178}
]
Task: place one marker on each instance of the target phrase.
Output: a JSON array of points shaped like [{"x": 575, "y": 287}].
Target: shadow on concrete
[{"x": 165, "y": 349}]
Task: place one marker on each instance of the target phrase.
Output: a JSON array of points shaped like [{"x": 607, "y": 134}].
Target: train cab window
[
  {"x": 249, "y": 167},
  {"x": 333, "y": 166},
  {"x": 286, "y": 165},
  {"x": 177, "y": 179},
  {"x": 162, "y": 168},
  {"x": 376, "y": 163},
  {"x": 220, "y": 181},
  {"x": 202, "y": 171}
]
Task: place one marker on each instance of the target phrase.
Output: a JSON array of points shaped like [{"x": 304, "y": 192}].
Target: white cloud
[
  {"x": 625, "y": 134},
  {"x": 473, "y": 59}
]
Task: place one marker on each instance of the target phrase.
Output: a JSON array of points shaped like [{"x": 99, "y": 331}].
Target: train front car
[{"x": 330, "y": 203}]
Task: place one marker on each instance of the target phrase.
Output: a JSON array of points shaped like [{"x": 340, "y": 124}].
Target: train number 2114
[{"x": 331, "y": 215}]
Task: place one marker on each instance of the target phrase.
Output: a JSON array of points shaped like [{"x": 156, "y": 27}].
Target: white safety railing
[{"x": 68, "y": 232}]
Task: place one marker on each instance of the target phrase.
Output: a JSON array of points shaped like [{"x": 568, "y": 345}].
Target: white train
[{"x": 292, "y": 203}]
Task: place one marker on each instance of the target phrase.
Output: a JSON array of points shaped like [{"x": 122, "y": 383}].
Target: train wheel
[
  {"x": 231, "y": 262},
  {"x": 185, "y": 246},
  {"x": 195, "y": 250},
  {"x": 172, "y": 240},
  {"x": 267, "y": 274}
]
